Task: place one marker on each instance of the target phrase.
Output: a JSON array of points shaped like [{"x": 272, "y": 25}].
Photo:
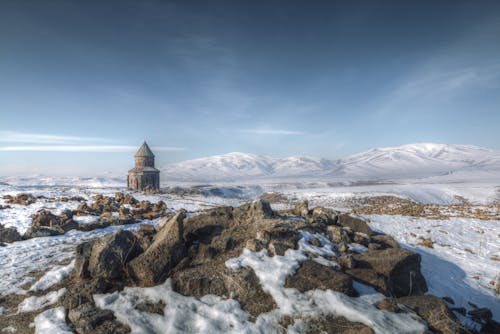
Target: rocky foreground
[{"x": 217, "y": 252}]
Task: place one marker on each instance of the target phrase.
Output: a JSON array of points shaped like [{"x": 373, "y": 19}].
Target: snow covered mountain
[
  {"x": 238, "y": 165},
  {"x": 421, "y": 160}
]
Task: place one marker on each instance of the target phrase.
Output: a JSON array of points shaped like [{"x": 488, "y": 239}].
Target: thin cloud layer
[
  {"x": 83, "y": 148},
  {"x": 38, "y": 138},
  {"x": 271, "y": 132}
]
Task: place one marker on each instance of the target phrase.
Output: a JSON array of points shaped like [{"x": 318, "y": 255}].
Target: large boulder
[
  {"x": 399, "y": 266},
  {"x": 258, "y": 209},
  {"x": 9, "y": 234},
  {"x": 167, "y": 250},
  {"x": 312, "y": 275},
  {"x": 355, "y": 224},
  {"x": 386, "y": 241},
  {"x": 433, "y": 310},
  {"x": 371, "y": 278},
  {"x": 22, "y": 199},
  {"x": 338, "y": 234},
  {"x": 42, "y": 231},
  {"x": 45, "y": 218},
  {"x": 301, "y": 209},
  {"x": 334, "y": 325},
  {"x": 242, "y": 285},
  {"x": 106, "y": 257}
]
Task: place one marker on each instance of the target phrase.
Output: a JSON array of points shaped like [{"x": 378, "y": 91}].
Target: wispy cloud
[
  {"x": 437, "y": 82},
  {"x": 22, "y": 137},
  {"x": 83, "y": 148},
  {"x": 271, "y": 132}
]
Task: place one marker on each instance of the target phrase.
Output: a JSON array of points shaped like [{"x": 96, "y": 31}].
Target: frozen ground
[{"x": 460, "y": 264}]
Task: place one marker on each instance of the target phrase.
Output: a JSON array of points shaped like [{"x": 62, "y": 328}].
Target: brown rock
[
  {"x": 334, "y": 325},
  {"x": 371, "y": 278},
  {"x": 337, "y": 234},
  {"x": 153, "y": 266},
  {"x": 9, "y": 234},
  {"x": 399, "y": 266},
  {"x": 356, "y": 224},
  {"x": 433, "y": 310},
  {"x": 312, "y": 275},
  {"x": 301, "y": 209},
  {"x": 388, "y": 304},
  {"x": 110, "y": 254},
  {"x": 385, "y": 240}
]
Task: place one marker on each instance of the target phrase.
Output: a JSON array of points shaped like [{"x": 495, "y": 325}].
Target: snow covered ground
[{"x": 460, "y": 265}]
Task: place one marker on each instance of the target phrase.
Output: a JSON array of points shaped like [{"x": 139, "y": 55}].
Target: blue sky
[{"x": 82, "y": 83}]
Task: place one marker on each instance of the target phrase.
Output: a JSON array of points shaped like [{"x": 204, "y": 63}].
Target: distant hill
[{"x": 421, "y": 160}]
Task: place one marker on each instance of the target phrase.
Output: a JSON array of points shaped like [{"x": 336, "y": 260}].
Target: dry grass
[{"x": 392, "y": 205}]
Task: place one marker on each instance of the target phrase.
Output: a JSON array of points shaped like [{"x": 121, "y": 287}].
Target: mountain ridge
[{"x": 418, "y": 160}]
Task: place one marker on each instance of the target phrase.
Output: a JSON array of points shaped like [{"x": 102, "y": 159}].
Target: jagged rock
[
  {"x": 433, "y": 310},
  {"x": 45, "y": 218},
  {"x": 242, "y": 285},
  {"x": 42, "y": 231},
  {"x": 101, "y": 223},
  {"x": 355, "y": 224},
  {"x": 301, "y": 209},
  {"x": 374, "y": 246},
  {"x": 401, "y": 267},
  {"x": 312, "y": 275},
  {"x": 107, "y": 256},
  {"x": 145, "y": 235},
  {"x": 343, "y": 247},
  {"x": 277, "y": 247},
  {"x": 361, "y": 238},
  {"x": 346, "y": 261},
  {"x": 80, "y": 292},
  {"x": 168, "y": 249},
  {"x": 255, "y": 245},
  {"x": 87, "y": 318},
  {"x": 258, "y": 209},
  {"x": 327, "y": 216},
  {"x": 388, "y": 304},
  {"x": 338, "y": 234},
  {"x": 385, "y": 240},
  {"x": 22, "y": 199},
  {"x": 9, "y": 234},
  {"x": 371, "y": 278},
  {"x": 82, "y": 257},
  {"x": 334, "y": 325}
]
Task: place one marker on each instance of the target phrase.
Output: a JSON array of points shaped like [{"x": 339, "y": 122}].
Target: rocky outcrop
[
  {"x": 167, "y": 250},
  {"x": 106, "y": 257},
  {"x": 433, "y": 310},
  {"x": 400, "y": 267},
  {"x": 86, "y": 318},
  {"x": 192, "y": 252},
  {"x": 45, "y": 223},
  {"x": 312, "y": 275},
  {"x": 9, "y": 234},
  {"x": 355, "y": 224},
  {"x": 21, "y": 199}
]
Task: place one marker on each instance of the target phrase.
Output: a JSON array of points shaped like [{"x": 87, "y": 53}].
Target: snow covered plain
[{"x": 461, "y": 263}]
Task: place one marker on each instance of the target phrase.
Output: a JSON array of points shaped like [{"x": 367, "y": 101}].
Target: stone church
[{"x": 144, "y": 176}]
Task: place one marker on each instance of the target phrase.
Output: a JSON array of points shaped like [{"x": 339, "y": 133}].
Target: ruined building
[{"x": 144, "y": 176}]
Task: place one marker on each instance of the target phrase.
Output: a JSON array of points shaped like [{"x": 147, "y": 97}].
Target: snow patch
[
  {"x": 52, "y": 321},
  {"x": 53, "y": 276},
  {"x": 34, "y": 303}
]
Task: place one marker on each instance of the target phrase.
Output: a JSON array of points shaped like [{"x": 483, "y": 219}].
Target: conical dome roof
[{"x": 144, "y": 151}]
